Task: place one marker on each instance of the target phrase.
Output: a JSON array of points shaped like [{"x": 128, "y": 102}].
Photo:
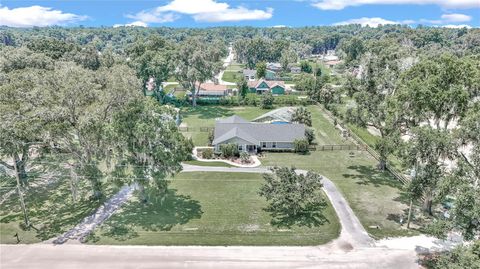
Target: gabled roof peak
[{"x": 232, "y": 119}]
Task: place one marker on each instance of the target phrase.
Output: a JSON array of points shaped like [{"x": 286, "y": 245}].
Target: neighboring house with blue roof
[{"x": 252, "y": 136}]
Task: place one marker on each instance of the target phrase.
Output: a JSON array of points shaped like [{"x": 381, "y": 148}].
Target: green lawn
[
  {"x": 170, "y": 87},
  {"x": 356, "y": 177},
  {"x": 231, "y": 76},
  {"x": 204, "y": 116},
  {"x": 208, "y": 209},
  {"x": 375, "y": 197},
  {"x": 364, "y": 134},
  {"x": 325, "y": 132},
  {"x": 235, "y": 67}
]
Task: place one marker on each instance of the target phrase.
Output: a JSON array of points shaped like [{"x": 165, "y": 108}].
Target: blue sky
[{"x": 269, "y": 13}]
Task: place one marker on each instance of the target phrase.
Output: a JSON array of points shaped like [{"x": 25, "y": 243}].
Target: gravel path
[{"x": 89, "y": 223}]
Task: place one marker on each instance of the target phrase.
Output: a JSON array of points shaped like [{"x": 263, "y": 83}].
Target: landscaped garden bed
[{"x": 207, "y": 154}]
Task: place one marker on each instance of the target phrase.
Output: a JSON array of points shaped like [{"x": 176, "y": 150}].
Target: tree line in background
[{"x": 78, "y": 91}]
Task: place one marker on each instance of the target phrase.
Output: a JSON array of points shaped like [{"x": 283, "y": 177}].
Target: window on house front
[
  {"x": 264, "y": 144},
  {"x": 274, "y": 144},
  {"x": 240, "y": 147}
]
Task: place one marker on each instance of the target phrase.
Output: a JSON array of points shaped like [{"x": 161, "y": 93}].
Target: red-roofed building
[
  {"x": 208, "y": 89},
  {"x": 332, "y": 63}
]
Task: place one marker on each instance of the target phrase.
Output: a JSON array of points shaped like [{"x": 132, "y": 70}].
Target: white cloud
[
  {"x": 280, "y": 26},
  {"x": 429, "y": 21},
  {"x": 36, "y": 16},
  {"x": 459, "y": 26},
  {"x": 153, "y": 17},
  {"x": 372, "y": 22},
  {"x": 341, "y": 4},
  {"x": 135, "y": 23},
  {"x": 202, "y": 11},
  {"x": 455, "y": 17},
  {"x": 445, "y": 18},
  {"x": 194, "y": 7},
  {"x": 234, "y": 14}
]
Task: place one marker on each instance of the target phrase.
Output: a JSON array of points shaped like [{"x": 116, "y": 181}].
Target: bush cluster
[
  {"x": 229, "y": 150},
  {"x": 207, "y": 153}
]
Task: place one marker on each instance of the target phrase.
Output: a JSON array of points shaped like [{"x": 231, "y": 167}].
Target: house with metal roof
[
  {"x": 262, "y": 86},
  {"x": 253, "y": 136},
  {"x": 210, "y": 90},
  {"x": 283, "y": 114}
]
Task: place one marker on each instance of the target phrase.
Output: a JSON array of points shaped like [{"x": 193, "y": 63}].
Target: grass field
[
  {"x": 375, "y": 197},
  {"x": 230, "y": 76},
  {"x": 204, "y": 116},
  {"x": 170, "y": 87},
  {"x": 235, "y": 67},
  {"x": 208, "y": 209},
  {"x": 325, "y": 132}
]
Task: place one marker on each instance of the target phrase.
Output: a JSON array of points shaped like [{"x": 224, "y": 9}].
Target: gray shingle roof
[
  {"x": 257, "y": 132},
  {"x": 232, "y": 119},
  {"x": 249, "y": 72}
]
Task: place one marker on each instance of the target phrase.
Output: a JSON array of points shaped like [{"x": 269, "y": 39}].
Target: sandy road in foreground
[{"x": 89, "y": 256}]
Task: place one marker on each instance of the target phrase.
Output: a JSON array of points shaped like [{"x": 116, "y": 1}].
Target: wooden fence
[
  {"x": 395, "y": 173},
  {"x": 191, "y": 129},
  {"x": 336, "y": 147}
]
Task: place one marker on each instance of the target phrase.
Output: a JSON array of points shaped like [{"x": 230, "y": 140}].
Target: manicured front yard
[
  {"x": 208, "y": 209},
  {"x": 375, "y": 197}
]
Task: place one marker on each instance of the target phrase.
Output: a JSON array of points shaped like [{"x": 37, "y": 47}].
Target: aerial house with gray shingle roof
[{"x": 253, "y": 136}]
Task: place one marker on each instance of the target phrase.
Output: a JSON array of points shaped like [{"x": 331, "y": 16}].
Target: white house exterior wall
[
  {"x": 235, "y": 140},
  {"x": 243, "y": 143},
  {"x": 280, "y": 145}
]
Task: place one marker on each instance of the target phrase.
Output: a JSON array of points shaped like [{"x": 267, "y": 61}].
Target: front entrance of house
[
  {"x": 251, "y": 148},
  {"x": 262, "y": 90}
]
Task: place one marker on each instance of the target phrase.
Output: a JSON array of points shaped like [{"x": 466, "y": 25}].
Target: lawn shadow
[
  {"x": 206, "y": 112},
  {"x": 155, "y": 215},
  {"x": 309, "y": 217},
  {"x": 367, "y": 175},
  {"x": 50, "y": 209}
]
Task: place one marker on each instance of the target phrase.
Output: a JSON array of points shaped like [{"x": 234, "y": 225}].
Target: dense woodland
[{"x": 79, "y": 93}]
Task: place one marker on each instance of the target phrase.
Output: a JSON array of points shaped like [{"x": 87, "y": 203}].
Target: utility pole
[{"x": 20, "y": 194}]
